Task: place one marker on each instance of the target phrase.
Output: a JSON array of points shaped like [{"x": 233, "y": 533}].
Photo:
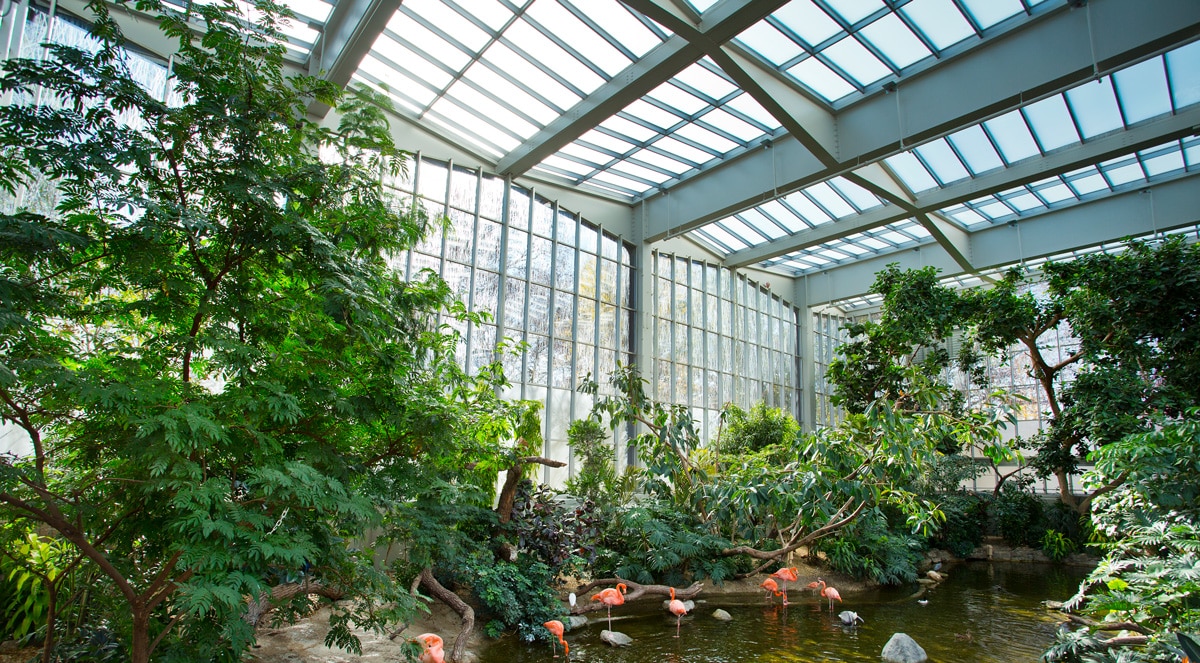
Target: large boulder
[
  {"x": 722, "y": 616},
  {"x": 576, "y": 621},
  {"x": 615, "y": 638},
  {"x": 903, "y": 649}
]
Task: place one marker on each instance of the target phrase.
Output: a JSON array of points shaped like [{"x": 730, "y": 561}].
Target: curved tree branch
[
  {"x": 438, "y": 591},
  {"x": 636, "y": 591}
]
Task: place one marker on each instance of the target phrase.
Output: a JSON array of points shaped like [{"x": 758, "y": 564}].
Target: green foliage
[
  {"x": 1057, "y": 545},
  {"x": 596, "y": 475},
  {"x": 762, "y": 426},
  {"x": 555, "y": 531},
  {"x": 1018, "y": 516},
  {"x": 27, "y": 567},
  {"x": 870, "y": 549},
  {"x": 966, "y": 523},
  {"x": 656, "y": 543},
  {"x": 515, "y": 596}
]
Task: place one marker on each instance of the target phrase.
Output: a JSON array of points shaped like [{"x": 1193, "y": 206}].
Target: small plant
[
  {"x": 757, "y": 429},
  {"x": 596, "y": 475},
  {"x": 553, "y": 531},
  {"x": 516, "y": 596},
  {"x": 1057, "y": 545}
]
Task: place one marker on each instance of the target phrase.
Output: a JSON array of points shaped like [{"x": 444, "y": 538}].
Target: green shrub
[
  {"x": 965, "y": 525},
  {"x": 596, "y": 476},
  {"x": 516, "y": 596},
  {"x": 1018, "y": 516},
  {"x": 656, "y": 543},
  {"x": 868, "y": 548},
  {"x": 1056, "y": 545},
  {"x": 757, "y": 429}
]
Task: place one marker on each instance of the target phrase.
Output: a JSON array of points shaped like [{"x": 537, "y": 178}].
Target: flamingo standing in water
[
  {"x": 786, "y": 574},
  {"x": 772, "y": 587},
  {"x": 829, "y": 593},
  {"x": 678, "y": 609},
  {"x": 432, "y": 652},
  {"x": 610, "y": 597},
  {"x": 556, "y": 627}
]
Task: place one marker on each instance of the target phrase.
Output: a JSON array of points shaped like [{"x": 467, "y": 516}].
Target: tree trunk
[
  {"x": 140, "y": 650},
  {"x": 438, "y": 591}
]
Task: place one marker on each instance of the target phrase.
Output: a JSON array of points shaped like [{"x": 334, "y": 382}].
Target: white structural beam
[
  {"x": 720, "y": 23},
  {"x": 1154, "y": 208},
  {"x": 351, "y": 30},
  {"x": 1051, "y": 54},
  {"x": 1152, "y": 133}
]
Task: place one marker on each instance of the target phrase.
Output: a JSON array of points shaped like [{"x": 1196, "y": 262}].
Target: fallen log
[{"x": 636, "y": 591}]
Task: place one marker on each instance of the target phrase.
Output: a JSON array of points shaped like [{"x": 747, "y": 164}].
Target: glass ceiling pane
[
  {"x": 616, "y": 20},
  {"x": 821, "y": 79},
  {"x": 1183, "y": 66},
  {"x": 770, "y": 43},
  {"x": 1090, "y": 184},
  {"x": 893, "y": 38},
  {"x": 760, "y": 222},
  {"x": 808, "y": 21},
  {"x": 449, "y": 22},
  {"x": 1095, "y": 108},
  {"x": 909, "y": 169},
  {"x": 945, "y": 165},
  {"x": 854, "y": 59},
  {"x": 740, "y": 129},
  {"x": 973, "y": 144},
  {"x": 858, "y": 196},
  {"x": 503, "y": 58},
  {"x": 675, "y": 97},
  {"x": 528, "y": 40},
  {"x": 746, "y": 105},
  {"x": 702, "y": 136},
  {"x": 1052, "y": 123},
  {"x": 1164, "y": 163},
  {"x": 556, "y": 20},
  {"x": 807, "y": 209},
  {"x": 683, "y": 150},
  {"x": 990, "y": 12},
  {"x": 705, "y": 81},
  {"x": 939, "y": 20},
  {"x": 854, "y": 11},
  {"x": 1142, "y": 90},
  {"x": 827, "y": 198},
  {"x": 1012, "y": 136}
]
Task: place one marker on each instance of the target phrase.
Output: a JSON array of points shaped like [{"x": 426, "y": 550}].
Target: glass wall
[
  {"x": 547, "y": 279},
  {"x": 719, "y": 337}
]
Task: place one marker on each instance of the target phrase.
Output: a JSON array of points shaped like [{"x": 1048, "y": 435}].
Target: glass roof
[{"x": 1155, "y": 87}]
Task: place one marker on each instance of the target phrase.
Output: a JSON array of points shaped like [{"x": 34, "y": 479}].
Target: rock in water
[
  {"x": 615, "y": 638},
  {"x": 935, "y": 576},
  {"x": 722, "y": 616},
  {"x": 690, "y": 605},
  {"x": 903, "y": 649},
  {"x": 850, "y": 618},
  {"x": 576, "y": 621}
]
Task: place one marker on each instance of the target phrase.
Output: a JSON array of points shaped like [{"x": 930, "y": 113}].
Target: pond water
[{"x": 984, "y": 613}]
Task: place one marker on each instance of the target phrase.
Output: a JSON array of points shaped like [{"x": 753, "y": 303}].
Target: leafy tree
[
  {"x": 222, "y": 379},
  {"x": 755, "y": 430}
]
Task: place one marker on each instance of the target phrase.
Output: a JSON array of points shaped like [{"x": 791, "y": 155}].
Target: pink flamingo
[
  {"x": 678, "y": 609},
  {"x": 772, "y": 587},
  {"x": 786, "y": 574},
  {"x": 611, "y": 597},
  {"x": 829, "y": 593},
  {"x": 556, "y": 627},
  {"x": 432, "y": 652}
]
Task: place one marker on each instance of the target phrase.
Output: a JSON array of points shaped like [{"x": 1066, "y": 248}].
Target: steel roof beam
[
  {"x": 1148, "y": 134},
  {"x": 1154, "y": 208},
  {"x": 348, "y": 35},
  {"x": 1050, "y": 54},
  {"x": 719, "y": 24}
]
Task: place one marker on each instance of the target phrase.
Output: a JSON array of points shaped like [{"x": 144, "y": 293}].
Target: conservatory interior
[{"x": 367, "y": 306}]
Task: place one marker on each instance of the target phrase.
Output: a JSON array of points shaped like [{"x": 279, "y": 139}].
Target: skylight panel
[
  {"x": 1055, "y": 194},
  {"x": 1090, "y": 184},
  {"x": 894, "y": 238},
  {"x": 873, "y": 243},
  {"x": 912, "y": 228},
  {"x": 967, "y": 216},
  {"x": 637, "y": 171},
  {"x": 673, "y": 96},
  {"x": 1164, "y": 163},
  {"x": 666, "y": 163},
  {"x": 516, "y": 97},
  {"x": 619, "y": 183},
  {"x": 996, "y": 210},
  {"x": 1024, "y": 202},
  {"x": 858, "y": 196},
  {"x": 391, "y": 55},
  {"x": 757, "y": 220},
  {"x": 742, "y": 130},
  {"x": 1183, "y": 68},
  {"x": 616, "y": 19},
  {"x": 830, "y": 253},
  {"x": 776, "y": 210},
  {"x": 1012, "y": 136},
  {"x": 313, "y": 9},
  {"x": 973, "y": 144},
  {"x": 459, "y": 122},
  {"x": 555, "y": 18},
  {"x": 940, "y": 21},
  {"x": 990, "y": 12},
  {"x": 605, "y": 141},
  {"x": 594, "y": 157},
  {"x": 418, "y": 35},
  {"x": 702, "y": 136},
  {"x": 827, "y": 198},
  {"x": 1095, "y": 108},
  {"x": 422, "y": 93},
  {"x": 491, "y": 112},
  {"x": 404, "y": 102},
  {"x": 725, "y": 237},
  {"x": 746, "y": 105},
  {"x": 1051, "y": 122},
  {"x": 503, "y": 58},
  {"x": 573, "y": 168},
  {"x": 743, "y": 231},
  {"x": 656, "y": 116},
  {"x": 450, "y": 22},
  {"x": 896, "y": 41},
  {"x": 910, "y": 170},
  {"x": 706, "y": 82},
  {"x": 491, "y": 12},
  {"x": 769, "y": 42},
  {"x": 821, "y": 79},
  {"x": 853, "y": 11},
  {"x": 1125, "y": 174},
  {"x": 807, "y": 209},
  {"x": 854, "y": 59},
  {"x": 552, "y": 57},
  {"x": 636, "y": 133},
  {"x": 942, "y": 161},
  {"x": 808, "y": 21},
  {"x": 701, "y": 5},
  {"x": 1191, "y": 152},
  {"x": 1142, "y": 90},
  {"x": 683, "y": 151}
]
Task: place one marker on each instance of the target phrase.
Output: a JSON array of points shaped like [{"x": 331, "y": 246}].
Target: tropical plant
[
  {"x": 760, "y": 427},
  {"x": 1017, "y": 515},
  {"x": 965, "y": 525},
  {"x": 596, "y": 475},
  {"x": 223, "y": 381},
  {"x": 868, "y": 548}
]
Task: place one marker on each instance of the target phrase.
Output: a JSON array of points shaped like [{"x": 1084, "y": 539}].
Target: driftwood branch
[
  {"x": 1110, "y": 626},
  {"x": 438, "y": 591},
  {"x": 636, "y": 591},
  {"x": 512, "y": 478},
  {"x": 266, "y": 602}
]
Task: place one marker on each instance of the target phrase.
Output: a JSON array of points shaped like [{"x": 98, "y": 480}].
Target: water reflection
[{"x": 984, "y": 613}]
